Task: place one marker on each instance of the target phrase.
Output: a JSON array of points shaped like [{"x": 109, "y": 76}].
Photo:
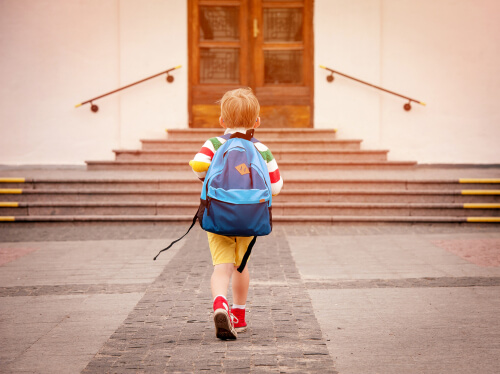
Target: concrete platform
[{"x": 345, "y": 298}]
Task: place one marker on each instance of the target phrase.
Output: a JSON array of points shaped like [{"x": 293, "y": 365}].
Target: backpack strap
[
  {"x": 175, "y": 241},
  {"x": 247, "y": 255}
]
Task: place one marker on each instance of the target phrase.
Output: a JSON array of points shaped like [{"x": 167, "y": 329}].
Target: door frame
[{"x": 249, "y": 60}]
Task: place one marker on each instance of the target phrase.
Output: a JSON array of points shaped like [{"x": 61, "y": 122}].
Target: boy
[{"x": 239, "y": 113}]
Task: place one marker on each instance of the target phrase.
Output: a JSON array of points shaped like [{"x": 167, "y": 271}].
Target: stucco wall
[
  {"x": 56, "y": 54},
  {"x": 445, "y": 53}
]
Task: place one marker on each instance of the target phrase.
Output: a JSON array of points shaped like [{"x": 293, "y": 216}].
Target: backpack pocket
[{"x": 230, "y": 219}]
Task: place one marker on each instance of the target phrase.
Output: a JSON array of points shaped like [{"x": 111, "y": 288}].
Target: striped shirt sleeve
[
  {"x": 201, "y": 161},
  {"x": 272, "y": 167}
]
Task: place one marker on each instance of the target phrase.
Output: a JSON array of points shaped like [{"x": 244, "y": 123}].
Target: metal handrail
[
  {"x": 94, "y": 108},
  {"x": 406, "y": 107}
]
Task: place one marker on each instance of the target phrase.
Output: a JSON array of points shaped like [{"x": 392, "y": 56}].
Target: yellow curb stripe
[
  {"x": 16, "y": 191},
  {"x": 480, "y": 192},
  {"x": 481, "y": 206},
  {"x": 483, "y": 219},
  {"x": 7, "y": 219},
  {"x": 12, "y": 180},
  {"x": 9, "y": 204},
  {"x": 480, "y": 180}
]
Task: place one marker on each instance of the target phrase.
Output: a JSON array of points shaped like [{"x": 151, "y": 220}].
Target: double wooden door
[{"x": 263, "y": 44}]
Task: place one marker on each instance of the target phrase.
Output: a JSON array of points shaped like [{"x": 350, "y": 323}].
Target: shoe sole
[{"x": 223, "y": 328}]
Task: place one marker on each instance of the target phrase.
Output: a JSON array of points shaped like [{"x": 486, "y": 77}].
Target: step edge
[
  {"x": 282, "y": 162},
  {"x": 339, "y": 151},
  {"x": 315, "y": 205},
  {"x": 286, "y": 192},
  {"x": 300, "y": 218}
]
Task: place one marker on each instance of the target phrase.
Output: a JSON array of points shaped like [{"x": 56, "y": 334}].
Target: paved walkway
[{"x": 323, "y": 299}]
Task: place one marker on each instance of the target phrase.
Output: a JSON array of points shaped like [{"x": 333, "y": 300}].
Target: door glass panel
[
  {"x": 283, "y": 66},
  {"x": 219, "y": 65},
  {"x": 282, "y": 24},
  {"x": 219, "y": 23}
]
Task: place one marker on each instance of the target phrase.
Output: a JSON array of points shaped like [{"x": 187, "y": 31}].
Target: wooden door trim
[{"x": 309, "y": 54}]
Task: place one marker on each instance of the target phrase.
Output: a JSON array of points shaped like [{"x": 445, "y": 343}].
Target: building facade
[{"x": 58, "y": 53}]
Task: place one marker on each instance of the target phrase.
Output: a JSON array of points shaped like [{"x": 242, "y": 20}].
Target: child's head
[{"x": 239, "y": 109}]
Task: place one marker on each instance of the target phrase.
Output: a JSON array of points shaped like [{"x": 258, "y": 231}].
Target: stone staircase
[
  {"x": 108, "y": 192},
  {"x": 294, "y": 149}
]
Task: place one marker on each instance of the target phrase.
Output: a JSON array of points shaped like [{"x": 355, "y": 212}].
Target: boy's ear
[
  {"x": 257, "y": 123},
  {"x": 221, "y": 122}
]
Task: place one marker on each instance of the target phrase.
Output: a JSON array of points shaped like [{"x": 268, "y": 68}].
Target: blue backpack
[{"x": 236, "y": 197}]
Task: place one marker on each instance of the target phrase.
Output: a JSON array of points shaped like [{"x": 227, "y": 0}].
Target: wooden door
[{"x": 263, "y": 44}]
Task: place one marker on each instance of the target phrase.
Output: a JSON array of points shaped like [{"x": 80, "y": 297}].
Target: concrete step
[
  {"x": 262, "y": 134},
  {"x": 276, "y": 219},
  {"x": 318, "y": 144},
  {"x": 287, "y": 195},
  {"x": 186, "y": 155},
  {"x": 280, "y": 209},
  {"x": 289, "y": 165},
  {"x": 291, "y": 183}
]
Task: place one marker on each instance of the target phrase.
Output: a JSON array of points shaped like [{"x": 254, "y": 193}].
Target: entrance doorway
[{"x": 263, "y": 44}]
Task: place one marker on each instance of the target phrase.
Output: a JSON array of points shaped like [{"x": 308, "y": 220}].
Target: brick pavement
[
  {"x": 378, "y": 291},
  {"x": 66, "y": 231},
  {"x": 170, "y": 329}
]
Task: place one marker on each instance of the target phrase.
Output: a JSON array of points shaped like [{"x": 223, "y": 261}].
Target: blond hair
[{"x": 239, "y": 108}]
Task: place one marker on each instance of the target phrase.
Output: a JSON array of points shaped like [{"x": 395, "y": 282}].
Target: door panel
[{"x": 265, "y": 45}]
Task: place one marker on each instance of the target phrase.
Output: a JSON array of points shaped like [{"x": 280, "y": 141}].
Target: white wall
[
  {"x": 445, "y": 53},
  {"x": 58, "y": 53},
  {"x": 153, "y": 38}
]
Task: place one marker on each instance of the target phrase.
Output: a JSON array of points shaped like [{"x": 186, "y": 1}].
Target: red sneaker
[
  {"x": 239, "y": 319},
  {"x": 224, "y": 328}
]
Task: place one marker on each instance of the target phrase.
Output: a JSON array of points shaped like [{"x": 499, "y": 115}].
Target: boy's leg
[
  {"x": 220, "y": 279},
  {"x": 241, "y": 282},
  {"x": 222, "y": 249},
  {"x": 224, "y": 326}
]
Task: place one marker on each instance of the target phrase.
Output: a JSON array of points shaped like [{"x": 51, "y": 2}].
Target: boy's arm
[
  {"x": 272, "y": 167},
  {"x": 274, "y": 175},
  {"x": 201, "y": 161}
]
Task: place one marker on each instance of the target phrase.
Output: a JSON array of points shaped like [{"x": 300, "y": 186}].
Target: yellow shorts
[{"x": 228, "y": 249}]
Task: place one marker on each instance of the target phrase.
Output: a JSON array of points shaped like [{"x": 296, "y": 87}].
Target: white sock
[
  {"x": 220, "y": 295},
  {"x": 236, "y": 306}
]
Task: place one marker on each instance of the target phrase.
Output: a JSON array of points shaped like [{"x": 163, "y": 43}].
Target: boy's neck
[{"x": 232, "y": 131}]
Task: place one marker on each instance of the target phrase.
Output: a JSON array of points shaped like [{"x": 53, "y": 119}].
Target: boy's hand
[{"x": 199, "y": 166}]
